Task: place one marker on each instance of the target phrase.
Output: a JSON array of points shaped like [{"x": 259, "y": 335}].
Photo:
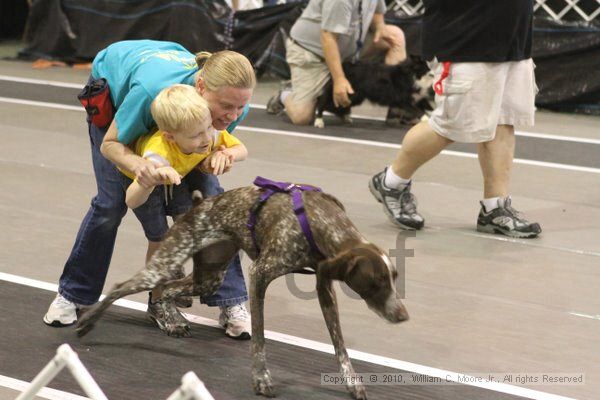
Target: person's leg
[
  {"x": 153, "y": 218},
  {"x": 84, "y": 273},
  {"x": 394, "y": 53},
  {"x": 309, "y": 75},
  {"x": 495, "y": 159},
  {"x": 496, "y": 156},
  {"x": 420, "y": 145},
  {"x": 300, "y": 112},
  {"x": 392, "y": 186}
]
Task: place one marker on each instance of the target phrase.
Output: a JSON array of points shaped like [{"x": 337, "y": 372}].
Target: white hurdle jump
[
  {"x": 65, "y": 356},
  {"x": 192, "y": 388}
]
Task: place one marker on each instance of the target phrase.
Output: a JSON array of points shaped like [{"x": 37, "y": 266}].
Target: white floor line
[
  {"x": 263, "y": 106},
  {"x": 44, "y": 393},
  {"x": 19, "y": 79},
  {"x": 41, "y": 104},
  {"x": 327, "y": 348},
  {"x": 545, "y": 164}
]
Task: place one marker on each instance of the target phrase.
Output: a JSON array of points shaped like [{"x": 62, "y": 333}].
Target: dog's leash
[{"x": 270, "y": 188}]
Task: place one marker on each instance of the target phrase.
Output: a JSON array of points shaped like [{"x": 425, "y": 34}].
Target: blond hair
[
  {"x": 225, "y": 68},
  {"x": 179, "y": 108}
]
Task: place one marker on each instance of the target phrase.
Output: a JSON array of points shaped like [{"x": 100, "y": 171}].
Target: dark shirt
[{"x": 477, "y": 30}]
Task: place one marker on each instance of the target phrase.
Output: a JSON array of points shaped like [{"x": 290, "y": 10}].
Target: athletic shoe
[
  {"x": 399, "y": 205},
  {"x": 236, "y": 321},
  {"x": 507, "y": 221},
  {"x": 61, "y": 312}
]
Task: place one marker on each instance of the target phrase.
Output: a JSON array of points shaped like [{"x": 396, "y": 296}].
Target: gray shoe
[
  {"x": 399, "y": 205},
  {"x": 274, "y": 105},
  {"x": 236, "y": 321},
  {"x": 507, "y": 221},
  {"x": 168, "y": 318}
]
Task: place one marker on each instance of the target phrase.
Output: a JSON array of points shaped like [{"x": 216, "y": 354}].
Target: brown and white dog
[{"x": 215, "y": 230}]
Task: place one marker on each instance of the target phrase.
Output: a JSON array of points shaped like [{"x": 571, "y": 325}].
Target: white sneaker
[
  {"x": 61, "y": 312},
  {"x": 236, "y": 321}
]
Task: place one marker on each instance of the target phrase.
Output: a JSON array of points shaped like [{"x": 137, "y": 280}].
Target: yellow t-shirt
[{"x": 155, "y": 147}]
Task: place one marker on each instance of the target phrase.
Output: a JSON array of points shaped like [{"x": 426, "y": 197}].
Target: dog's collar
[{"x": 270, "y": 188}]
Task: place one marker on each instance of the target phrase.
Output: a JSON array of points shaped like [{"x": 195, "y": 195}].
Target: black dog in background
[{"x": 404, "y": 88}]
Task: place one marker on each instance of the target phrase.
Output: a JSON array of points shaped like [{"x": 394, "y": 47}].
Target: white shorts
[{"x": 477, "y": 97}]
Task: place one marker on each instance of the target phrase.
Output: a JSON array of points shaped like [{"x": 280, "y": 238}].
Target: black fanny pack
[{"x": 95, "y": 97}]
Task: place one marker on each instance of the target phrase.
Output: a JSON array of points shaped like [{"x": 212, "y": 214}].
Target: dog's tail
[{"x": 197, "y": 197}]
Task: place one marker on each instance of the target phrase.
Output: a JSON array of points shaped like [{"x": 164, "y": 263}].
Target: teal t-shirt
[{"x": 136, "y": 71}]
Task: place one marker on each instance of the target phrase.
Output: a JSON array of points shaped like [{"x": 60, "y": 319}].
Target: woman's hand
[{"x": 145, "y": 173}]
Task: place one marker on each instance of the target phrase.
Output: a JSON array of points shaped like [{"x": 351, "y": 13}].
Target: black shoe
[
  {"x": 167, "y": 317},
  {"x": 399, "y": 205},
  {"x": 507, "y": 221},
  {"x": 275, "y": 106}
]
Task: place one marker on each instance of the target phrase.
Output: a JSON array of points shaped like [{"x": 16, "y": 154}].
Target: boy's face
[
  {"x": 195, "y": 140},
  {"x": 226, "y": 104}
]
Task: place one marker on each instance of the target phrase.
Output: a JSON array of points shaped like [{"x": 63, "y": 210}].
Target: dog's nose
[{"x": 400, "y": 314}]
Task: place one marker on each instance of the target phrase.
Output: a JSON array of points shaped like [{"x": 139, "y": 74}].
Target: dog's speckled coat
[{"x": 215, "y": 230}]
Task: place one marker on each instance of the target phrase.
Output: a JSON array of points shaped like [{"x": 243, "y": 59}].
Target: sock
[
  {"x": 490, "y": 204},
  {"x": 393, "y": 181},
  {"x": 283, "y": 95}
]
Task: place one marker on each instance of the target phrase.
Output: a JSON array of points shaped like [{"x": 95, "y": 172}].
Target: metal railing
[{"x": 558, "y": 10}]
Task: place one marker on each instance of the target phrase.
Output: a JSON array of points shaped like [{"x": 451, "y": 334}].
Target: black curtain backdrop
[{"x": 567, "y": 54}]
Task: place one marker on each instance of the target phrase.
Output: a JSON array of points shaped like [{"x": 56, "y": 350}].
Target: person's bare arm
[
  {"x": 122, "y": 156},
  {"x": 137, "y": 194},
  {"x": 341, "y": 87},
  {"x": 377, "y": 23}
]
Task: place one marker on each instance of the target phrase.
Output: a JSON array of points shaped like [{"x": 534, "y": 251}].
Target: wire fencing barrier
[
  {"x": 191, "y": 387},
  {"x": 558, "y": 10}
]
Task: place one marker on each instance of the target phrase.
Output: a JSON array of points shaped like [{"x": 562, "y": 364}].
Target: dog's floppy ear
[{"x": 340, "y": 266}]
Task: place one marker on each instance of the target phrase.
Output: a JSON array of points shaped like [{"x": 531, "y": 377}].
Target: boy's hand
[
  {"x": 168, "y": 176},
  {"x": 218, "y": 162}
]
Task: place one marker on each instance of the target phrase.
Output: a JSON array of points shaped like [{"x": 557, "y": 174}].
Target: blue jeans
[{"x": 85, "y": 271}]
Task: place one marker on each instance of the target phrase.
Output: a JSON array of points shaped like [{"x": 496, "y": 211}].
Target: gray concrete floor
[{"x": 478, "y": 303}]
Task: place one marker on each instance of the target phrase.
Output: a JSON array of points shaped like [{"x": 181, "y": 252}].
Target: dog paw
[
  {"x": 358, "y": 392},
  {"x": 319, "y": 123},
  {"x": 179, "y": 331},
  {"x": 262, "y": 384},
  {"x": 82, "y": 329},
  {"x": 85, "y": 323},
  {"x": 348, "y": 119}
]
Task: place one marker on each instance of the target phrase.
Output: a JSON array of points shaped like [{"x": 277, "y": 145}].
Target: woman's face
[{"x": 225, "y": 104}]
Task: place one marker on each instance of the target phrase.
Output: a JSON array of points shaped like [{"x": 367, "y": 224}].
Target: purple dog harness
[{"x": 270, "y": 188}]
